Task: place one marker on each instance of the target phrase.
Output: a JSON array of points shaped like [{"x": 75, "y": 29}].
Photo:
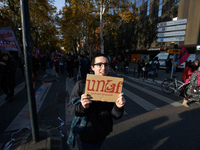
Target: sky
[{"x": 59, "y": 4}]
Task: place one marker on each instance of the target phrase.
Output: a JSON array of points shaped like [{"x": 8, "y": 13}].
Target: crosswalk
[
  {"x": 22, "y": 120},
  {"x": 144, "y": 103},
  {"x": 137, "y": 98}
]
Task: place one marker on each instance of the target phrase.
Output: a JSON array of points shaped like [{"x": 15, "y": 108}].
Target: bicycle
[{"x": 172, "y": 85}]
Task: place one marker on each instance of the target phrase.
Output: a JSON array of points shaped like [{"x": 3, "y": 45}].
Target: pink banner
[
  {"x": 8, "y": 41},
  {"x": 183, "y": 56}
]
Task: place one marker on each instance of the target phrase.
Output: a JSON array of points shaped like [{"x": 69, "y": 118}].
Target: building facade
[{"x": 152, "y": 12}]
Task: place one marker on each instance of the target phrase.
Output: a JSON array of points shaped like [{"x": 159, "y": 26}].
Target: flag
[{"x": 183, "y": 56}]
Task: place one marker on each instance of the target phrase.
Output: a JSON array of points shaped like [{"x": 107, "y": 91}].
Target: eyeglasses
[{"x": 100, "y": 65}]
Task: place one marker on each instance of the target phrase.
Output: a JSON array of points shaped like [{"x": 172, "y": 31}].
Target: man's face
[{"x": 101, "y": 66}]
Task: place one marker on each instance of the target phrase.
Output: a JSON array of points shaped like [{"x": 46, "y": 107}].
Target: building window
[
  {"x": 148, "y": 6},
  {"x": 160, "y": 8}
]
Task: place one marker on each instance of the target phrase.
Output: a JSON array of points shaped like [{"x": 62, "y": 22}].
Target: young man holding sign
[{"x": 98, "y": 114}]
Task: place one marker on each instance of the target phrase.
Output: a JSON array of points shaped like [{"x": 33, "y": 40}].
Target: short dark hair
[{"x": 98, "y": 55}]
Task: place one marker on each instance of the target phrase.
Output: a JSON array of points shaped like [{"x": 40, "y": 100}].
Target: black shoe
[{"x": 7, "y": 97}]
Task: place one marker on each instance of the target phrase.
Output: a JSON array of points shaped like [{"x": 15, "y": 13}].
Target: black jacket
[{"x": 99, "y": 115}]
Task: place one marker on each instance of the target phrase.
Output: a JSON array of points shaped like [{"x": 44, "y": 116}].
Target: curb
[{"x": 50, "y": 138}]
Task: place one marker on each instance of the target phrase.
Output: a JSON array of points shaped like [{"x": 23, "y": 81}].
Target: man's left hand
[{"x": 120, "y": 101}]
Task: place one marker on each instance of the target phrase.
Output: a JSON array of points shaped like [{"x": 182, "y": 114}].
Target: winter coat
[{"x": 194, "y": 85}]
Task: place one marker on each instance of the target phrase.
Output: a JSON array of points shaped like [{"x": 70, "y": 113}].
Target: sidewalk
[{"x": 50, "y": 137}]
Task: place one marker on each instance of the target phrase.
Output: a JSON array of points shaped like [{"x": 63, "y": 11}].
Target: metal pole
[
  {"x": 172, "y": 67},
  {"x": 28, "y": 68}
]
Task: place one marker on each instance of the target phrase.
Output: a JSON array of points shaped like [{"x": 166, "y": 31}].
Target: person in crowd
[
  {"x": 61, "y": 63},
  {"x": 83, "y": 66},
  {"x": 168, "y": 65},
  {"x": 114, "y": 63},
  {"x": 48, "y": 61},
  {"x": 193, "y": 87},
  {"x": 88, "y": 64},
  {"x": 70, "y": 68},
  {"x": 139, "y": 67},
  {"x": 126, "y": 65},
  {"x": 8, "y": 68},
  {"x": 145, "y": 69},
  {"x": 99, "y": 114},
  {"x": 21, "y": 63},
  {"x": 56, "y": 63},
  {"x": 35, "y": 66},
  {"x": 187, "y": 72},
  {"x": 157, "y": 65}
]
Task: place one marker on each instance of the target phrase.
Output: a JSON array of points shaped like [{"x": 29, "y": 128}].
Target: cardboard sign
[{"x": 103, "y": 88}]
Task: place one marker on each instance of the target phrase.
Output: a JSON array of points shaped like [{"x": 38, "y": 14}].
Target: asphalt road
[{"x": 152, "y": 119}]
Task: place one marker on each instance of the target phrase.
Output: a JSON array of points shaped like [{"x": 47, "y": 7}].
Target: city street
[{"x": 152, "y": 119}]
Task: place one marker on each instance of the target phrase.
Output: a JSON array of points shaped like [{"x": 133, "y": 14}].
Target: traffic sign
[
  {"x": 172, "y": 28},
  {"x": 172, "y": 39},
  {"x": 165, "y": 34},
  {"x": 174, "y": 51},
  {"x": 198, "y": 47},
  {"x": 171, "y": 23}
]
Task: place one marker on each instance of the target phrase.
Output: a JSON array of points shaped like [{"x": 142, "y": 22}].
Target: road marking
[
  {"x": 18, "y": 88},
  {"x": 140, "y": 101},
  {"x": 22, "y": 120},
  {"x": 69, "y": 85},
  {"x": 156, "y": 95}
]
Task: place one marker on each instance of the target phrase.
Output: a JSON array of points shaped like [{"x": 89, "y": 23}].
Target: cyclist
[
  {"x": 194, "y": 85},
  {"x": 187, "y": 72}
]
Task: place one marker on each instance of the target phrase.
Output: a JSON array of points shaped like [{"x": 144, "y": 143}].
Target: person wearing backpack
[{"x": 193, "y": 87}]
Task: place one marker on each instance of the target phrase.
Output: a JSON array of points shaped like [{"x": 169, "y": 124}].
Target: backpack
[{"x": 198, "y": 78}]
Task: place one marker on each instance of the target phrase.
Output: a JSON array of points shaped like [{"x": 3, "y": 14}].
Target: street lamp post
[{"x": 28, "y": 68}]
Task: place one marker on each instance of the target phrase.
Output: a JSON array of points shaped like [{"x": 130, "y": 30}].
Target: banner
[
  {"x": 8, "y": 41},
  {"x": 183, "y": 56}
]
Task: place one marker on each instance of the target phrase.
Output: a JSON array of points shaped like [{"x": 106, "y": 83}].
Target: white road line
[
  {"x": 18, "y": 88},
  {"x": 140, "y": 101},
  {"x": 22, "y": 120},
  {"x": 69, "y": 85},
  {"x": 156, "y": 95}
]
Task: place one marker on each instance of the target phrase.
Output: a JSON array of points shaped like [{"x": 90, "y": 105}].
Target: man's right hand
[{"x": 85, "y": 100}]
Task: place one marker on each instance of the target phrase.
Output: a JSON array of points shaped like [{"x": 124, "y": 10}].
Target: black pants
[
  {"x": 71, "y": 72},
  {"x": 8, "y": 83}
]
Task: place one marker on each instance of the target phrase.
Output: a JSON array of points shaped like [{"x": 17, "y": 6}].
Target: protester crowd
[
  {"x": 77, "y": 67},
  {"x": 144, "y": 70}
]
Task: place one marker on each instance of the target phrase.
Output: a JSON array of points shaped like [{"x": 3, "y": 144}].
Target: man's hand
[
  {"x": 85, "y": 100},
  {"x": 120, "y": 101}
]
